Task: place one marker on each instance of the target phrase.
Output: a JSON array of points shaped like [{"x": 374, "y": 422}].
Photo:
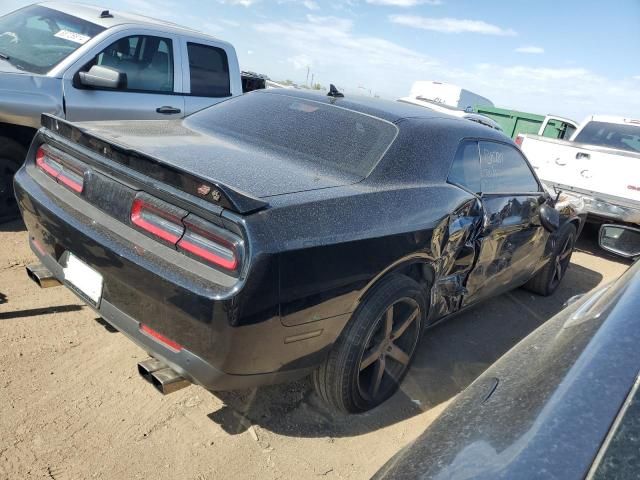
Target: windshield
[
  {"x": 35, "y": 39},
  {"x": 612, "y": 135},
  {"x": 305, "y": 130}
]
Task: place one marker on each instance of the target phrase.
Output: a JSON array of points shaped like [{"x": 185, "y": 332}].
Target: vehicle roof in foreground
[{"x": 542, "y": 410}]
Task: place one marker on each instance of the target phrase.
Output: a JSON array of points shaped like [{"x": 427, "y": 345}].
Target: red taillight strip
[
  {"x": 190, "y": 243},
  {"x": 175, "y": 346},
  {"x": 155, "y": 221},
  {"x": 47, "y": 164},
  {"x": 60, "y": 171}
]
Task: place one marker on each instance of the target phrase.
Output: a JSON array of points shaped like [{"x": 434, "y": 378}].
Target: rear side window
[
  {"x": 503, "y": 169},
  {"x": 465, "y": 169},
  {"x": 209, "y": 70},
  {"x": 324, "y": 137},
  {"x": 147, "y": 61}
]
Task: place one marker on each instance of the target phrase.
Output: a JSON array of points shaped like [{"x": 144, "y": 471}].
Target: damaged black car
[{"x": 280, "y": 234}]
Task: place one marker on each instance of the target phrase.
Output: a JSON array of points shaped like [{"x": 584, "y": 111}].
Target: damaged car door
[{"x": 511, "y": 240}]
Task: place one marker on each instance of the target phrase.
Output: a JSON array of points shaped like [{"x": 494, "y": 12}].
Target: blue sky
[{"x": 570, "y": 57}]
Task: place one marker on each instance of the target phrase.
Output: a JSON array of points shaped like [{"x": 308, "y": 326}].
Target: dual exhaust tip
[
  {"x": 165, "y": 379},
  {"x": 42, "y": 276}
]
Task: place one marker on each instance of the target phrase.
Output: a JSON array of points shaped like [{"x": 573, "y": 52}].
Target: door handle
[
  {"x": 580, "y": 155},
  {"x": 166, "y": 110}
]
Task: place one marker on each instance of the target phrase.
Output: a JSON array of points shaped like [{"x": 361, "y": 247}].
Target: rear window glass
[
  {"x": 612, "y": 135},
  {"x": 209, "y": 70},
  {"x": 305, "y": 130}
]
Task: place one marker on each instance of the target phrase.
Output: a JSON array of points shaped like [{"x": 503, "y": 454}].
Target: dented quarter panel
[{"x": 24, "y": 97}]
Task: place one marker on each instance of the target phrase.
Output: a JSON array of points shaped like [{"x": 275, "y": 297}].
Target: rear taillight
[
  {"x": 158, "y": 218},
  {"x": 211, "y": 243},
  {"x": 519, "y": 140},
  {"x": 191, "y": 235},
  {"x": 62, "y": 170}
]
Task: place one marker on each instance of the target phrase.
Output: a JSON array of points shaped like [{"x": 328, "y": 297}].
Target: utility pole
[
  {"x": 307, "y": 82},
  {"x": 312, "y": 80}
]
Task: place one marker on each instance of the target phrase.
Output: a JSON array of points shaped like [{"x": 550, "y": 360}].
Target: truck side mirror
[
  {"x": 103, "y": 77},
  {"x": 620, "y": 239},
  {"x": 549, "y": 217}
]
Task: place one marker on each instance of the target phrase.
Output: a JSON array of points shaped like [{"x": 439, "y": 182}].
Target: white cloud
[
  {"x": 244, "y": 3},
  {"x": 337, "y": 54},
  {"x": 404, "y": 3},
  {"x": 636, "y": 77},
  {"x": 311, "y": 5},
  {"x": 451, "y": 25},
  {"x": 529, "y": 49}
]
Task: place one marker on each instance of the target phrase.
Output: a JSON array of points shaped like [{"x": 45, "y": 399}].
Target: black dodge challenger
[{"x": 281, "y": 233}]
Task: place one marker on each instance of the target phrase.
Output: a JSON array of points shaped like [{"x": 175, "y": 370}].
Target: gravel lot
[{"x": 73, "y": 405}]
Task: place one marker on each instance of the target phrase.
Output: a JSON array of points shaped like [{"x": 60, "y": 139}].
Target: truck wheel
[
  {"x": 547, "y": 280},
  {"x": 12, "y": 155},
  {"x": 374, "y": 351}
]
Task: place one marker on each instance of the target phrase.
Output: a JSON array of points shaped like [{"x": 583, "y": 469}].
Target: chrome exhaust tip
[
  {"x": 42, "y": 276},
  {"x": 168, "y": 381},
  {"x": 146, "y": 368}
]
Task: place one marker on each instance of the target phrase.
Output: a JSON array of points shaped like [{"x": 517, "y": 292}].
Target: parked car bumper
[
  {"x": 139, "y": 289},
  {"x": 606, "y": 207}
]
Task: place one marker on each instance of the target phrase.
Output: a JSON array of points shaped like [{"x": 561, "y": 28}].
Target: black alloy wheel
[
  {"x": 388, "y": 352},
  {"x": 548, "y": 279},
  {"x": 374, "y": 351},
  {"x": 561, "y": 261}
]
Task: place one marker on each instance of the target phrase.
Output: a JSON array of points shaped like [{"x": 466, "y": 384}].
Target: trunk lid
[{"x": 257, "y": 172}]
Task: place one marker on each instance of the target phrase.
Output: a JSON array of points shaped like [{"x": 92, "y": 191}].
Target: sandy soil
[{"x": 73, "y": 407}]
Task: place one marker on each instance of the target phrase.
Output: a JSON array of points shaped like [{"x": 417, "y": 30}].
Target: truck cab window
[
  {"x": 503, "y": 169},
  {"x": 147, "y": 61},
  {"x": 209, "y": 69}
]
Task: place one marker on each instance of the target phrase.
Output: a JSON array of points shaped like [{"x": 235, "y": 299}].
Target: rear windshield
[
  {"x": 612, "y": 135},
  {"x": 328, "y": 136},
  {"x": 35, "y": 39}
]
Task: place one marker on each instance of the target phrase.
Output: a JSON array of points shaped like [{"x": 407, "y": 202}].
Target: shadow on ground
[
  {"x": 13, "y": 226},
  {"x": 451, "y": 355}
]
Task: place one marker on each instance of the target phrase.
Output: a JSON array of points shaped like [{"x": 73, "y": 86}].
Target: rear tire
[
  {"x": 374, "y": 351},
  {"x": 12, "y": 155},
  {"x": 547, "y": 280}
]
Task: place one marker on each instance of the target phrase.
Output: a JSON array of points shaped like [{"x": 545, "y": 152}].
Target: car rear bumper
[{"x": 143, "y": 286}]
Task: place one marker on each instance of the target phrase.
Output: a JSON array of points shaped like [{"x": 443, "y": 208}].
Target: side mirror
[
  {"x": 103, "y": 77},
  {"x": 549, "y": 217},
  {"x": 620, "y": 239}
]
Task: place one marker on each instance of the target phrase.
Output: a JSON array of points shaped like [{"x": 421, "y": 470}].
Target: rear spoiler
[{"x": 212, "y": 192}]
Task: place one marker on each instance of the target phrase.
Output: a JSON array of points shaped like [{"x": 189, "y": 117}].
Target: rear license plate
[{"x": 82, "y": 277}]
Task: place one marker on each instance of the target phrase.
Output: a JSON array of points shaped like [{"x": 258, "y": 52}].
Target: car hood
[
  {"x": 214, "y": 157},
  {"x": 7, "y": 67}
]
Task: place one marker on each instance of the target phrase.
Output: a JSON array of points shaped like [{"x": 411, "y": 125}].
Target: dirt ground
[{"x": 73, "y": 406}]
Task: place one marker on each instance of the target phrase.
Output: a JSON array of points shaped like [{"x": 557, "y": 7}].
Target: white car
[
  {"x": 456, "y": 112},
  {"x": 599, "y": 164}
]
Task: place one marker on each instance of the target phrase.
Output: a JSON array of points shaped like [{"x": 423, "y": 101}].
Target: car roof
[
  {"x": 397, "y": 112},
  {"x": 91, "y": 13}
]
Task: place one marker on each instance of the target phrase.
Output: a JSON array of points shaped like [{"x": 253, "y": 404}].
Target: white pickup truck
[{"x": 599, "y": 164}]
